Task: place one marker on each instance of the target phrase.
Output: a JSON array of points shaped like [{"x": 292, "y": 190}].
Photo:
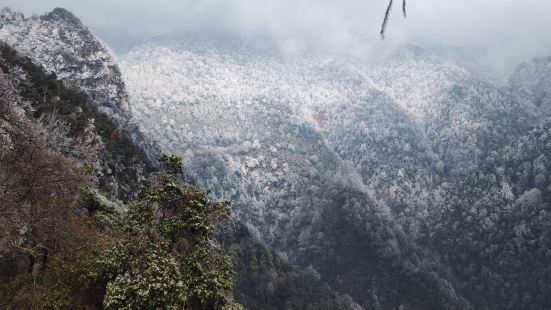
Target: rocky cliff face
[
  {"x": 120, "y": 162},
  {"x": 61, "y": 44}
]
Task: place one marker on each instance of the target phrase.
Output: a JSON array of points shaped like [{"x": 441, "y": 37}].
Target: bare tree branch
[
  {"x": 387, "y": 15},
  {"x": 385, "y": 21}
]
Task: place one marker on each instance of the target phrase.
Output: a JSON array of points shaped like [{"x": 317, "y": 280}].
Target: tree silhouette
[{"x": 387, "y": 13}]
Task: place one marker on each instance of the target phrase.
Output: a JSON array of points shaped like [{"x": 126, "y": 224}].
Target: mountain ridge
[
  {"x": 73, "y": 53},
  {"x": 406, "y": 131},
  {"x": 411, "y": 183}
]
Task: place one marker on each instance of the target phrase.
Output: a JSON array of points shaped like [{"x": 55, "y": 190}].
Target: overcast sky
[{"x": 500, "y": 32}]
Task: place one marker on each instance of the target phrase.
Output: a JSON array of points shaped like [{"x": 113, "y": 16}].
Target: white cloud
[{"x": 503, "y": 31}]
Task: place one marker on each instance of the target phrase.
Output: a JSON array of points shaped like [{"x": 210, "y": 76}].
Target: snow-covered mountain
[
  {"x": 495, "y": 230},
  {"x": 299, "y": 145},
  {"x": 60, "y": 43},
  {"x": 63, "y": 46},
  {"x": 400, "y": 128},
  {"x": 409, "y": 183},
  {"x": 464, "y": 116},
  {"x": 275, "y": 124}
]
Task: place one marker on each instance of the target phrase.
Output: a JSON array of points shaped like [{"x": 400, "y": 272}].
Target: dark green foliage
[
  {"x": 103, "y": 211},
  {"x": 162, "y": 254},
  {"x": 209, "y": 277},
  {"x": 172, "y": 163},
  {"x": 157, "y": 254},
  {"x": 141, "y": 274}
]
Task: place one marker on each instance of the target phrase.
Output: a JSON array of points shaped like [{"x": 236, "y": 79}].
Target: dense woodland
[
  {"x": 415, "y": 183},
  {"x": 70, "y": 240},
  {"x": 66, "y": 245}
]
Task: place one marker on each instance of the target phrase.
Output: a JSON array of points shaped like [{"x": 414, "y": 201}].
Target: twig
[
  {"x": 387, "y": 15},
  {"x": 385, "y": 21}
]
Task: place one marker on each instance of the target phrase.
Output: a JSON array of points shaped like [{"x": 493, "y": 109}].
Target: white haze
[{"x": 498, "y": 33}]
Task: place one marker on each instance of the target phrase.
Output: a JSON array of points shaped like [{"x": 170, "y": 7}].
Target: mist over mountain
[
  {"x": 406, "y": 132},
  {"x": 499, "y": 34},
  {"x": 410, "y": 179}
]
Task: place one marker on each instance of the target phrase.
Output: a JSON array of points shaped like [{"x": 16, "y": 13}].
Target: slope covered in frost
[
  {"x": 267, "y": 133},
  {"x": 532, "y": 81},
  {"x": 351, "y": 170},
  {"x": 61, "y": 44}
]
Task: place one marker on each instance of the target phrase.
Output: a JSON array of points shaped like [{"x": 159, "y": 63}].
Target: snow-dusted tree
[{"x": 164, "y": 256}]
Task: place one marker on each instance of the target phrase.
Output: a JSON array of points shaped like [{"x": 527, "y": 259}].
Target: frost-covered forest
[
  {"x": 409, "y": 182},
  {"x": 433, "y": 147}
]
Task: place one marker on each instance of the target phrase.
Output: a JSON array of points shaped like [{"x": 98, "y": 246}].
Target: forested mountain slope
[
  {"x": 532, "y": 81},
  {"x": 297, "y": 137},
  {"x": 408, "y": 183},
  {"x": 78, "y": 131},
  {"x": 495, "y": 231},
  {"x": 61, "y": 44}
]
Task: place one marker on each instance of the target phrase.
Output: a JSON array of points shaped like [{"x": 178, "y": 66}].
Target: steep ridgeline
[
  {"x": 463, "y": 116},
  {"x": 486, "y": 212},
  {"x": 271, "y": 135},
  {"x": 120, "y": 163},
  {"x": 61, "y": 44},
  {"x": 488, "y": 217}
]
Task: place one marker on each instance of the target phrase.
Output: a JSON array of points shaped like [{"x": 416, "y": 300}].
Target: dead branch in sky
[{"x": 387, "y": 14}]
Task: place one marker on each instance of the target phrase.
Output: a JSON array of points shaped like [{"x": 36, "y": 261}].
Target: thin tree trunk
[{"x": 385, "y": 21}]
